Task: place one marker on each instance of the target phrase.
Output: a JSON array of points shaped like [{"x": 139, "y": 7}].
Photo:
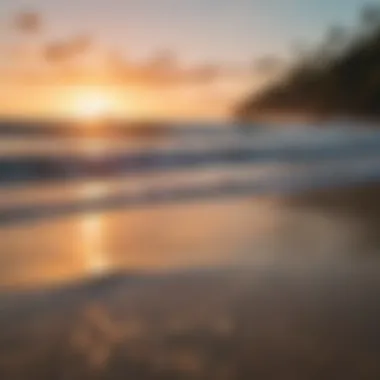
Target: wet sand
[
  {"x": 361, "y": 204},
  {"x": 359, "y": 201},
  {"x": 258, "y": 322}
]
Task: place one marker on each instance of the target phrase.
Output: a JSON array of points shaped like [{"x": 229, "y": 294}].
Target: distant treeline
[{"x": 339, "y": 78}]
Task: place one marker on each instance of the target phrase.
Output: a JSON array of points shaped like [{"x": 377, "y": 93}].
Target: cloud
[
  {"x": 28, "y": 22},
  {"x": 79, "y": 59},
  {"x": 58, "y": 51}
]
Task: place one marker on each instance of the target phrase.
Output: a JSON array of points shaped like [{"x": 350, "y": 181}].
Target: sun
[
  {"x": 93, "y": 105},
  {"x": 99, "y": 103}
]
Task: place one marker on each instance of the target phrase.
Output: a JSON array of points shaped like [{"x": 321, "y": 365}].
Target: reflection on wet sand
[
  {"x": 92, "y": 233},
  {"x": 147, "y": 239},
  {"x": 240, "y": 232},
  {"x": 289, "y": 292}
]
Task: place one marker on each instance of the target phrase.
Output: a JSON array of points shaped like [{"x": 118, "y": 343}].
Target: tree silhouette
[
  {"x": 341, "y": 78},
  {"x": 370, "y": 17}
]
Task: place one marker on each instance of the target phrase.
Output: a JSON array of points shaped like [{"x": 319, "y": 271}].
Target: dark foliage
[{"x": 340, "y": 79}]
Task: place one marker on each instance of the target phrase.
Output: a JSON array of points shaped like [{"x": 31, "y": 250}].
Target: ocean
[{"x": 202, "y": 252}]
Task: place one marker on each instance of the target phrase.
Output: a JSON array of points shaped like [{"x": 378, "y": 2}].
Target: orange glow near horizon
[
  {"x": 98, "y": 102},
  {"x": 93, "y": 104},
  {"x": 68, "y": 101}
]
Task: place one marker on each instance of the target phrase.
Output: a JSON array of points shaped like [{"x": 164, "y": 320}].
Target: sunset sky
[{"x": 230, "y": 35}]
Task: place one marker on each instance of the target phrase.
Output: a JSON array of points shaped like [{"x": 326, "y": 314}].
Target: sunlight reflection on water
[{"x": 92, "y": 227}]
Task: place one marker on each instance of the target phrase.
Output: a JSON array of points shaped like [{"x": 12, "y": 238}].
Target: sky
[
  {"x": 228, "y": 30},
  {"x": 198, "y": 31}
]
